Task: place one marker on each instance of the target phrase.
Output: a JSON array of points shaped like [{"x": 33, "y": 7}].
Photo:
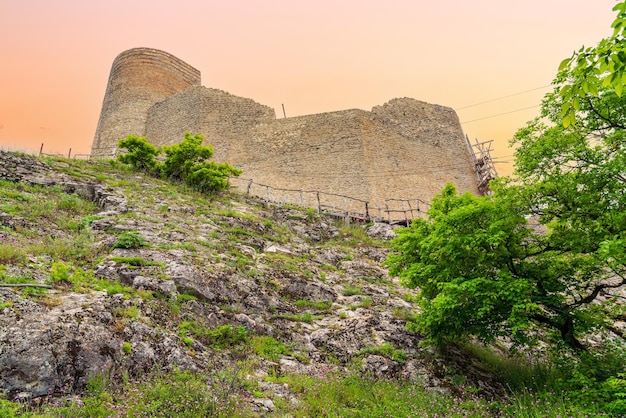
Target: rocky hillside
[{"x": 144, "y": 274}]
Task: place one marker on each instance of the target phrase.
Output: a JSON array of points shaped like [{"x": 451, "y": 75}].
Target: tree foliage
[
  {"x": 182, "y": 157},
  {"x": 140, "y": 153},
  {"x": 465, "y": 260},
  {"x": 591, "y": 69},
  {"x": 209, "y": 176},
  {"x": 548, "y": 250},
  {"x": 187, "y": 161}
]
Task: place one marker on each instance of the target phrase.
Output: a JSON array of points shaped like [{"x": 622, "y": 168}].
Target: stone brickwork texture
[{"x": 404, "y": 148}]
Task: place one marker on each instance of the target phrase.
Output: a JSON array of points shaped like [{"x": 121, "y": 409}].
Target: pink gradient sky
[{"x": 311, "y": 56}]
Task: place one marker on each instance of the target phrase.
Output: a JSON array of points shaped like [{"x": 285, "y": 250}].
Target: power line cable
[
  {"x": 501, "y": 114},
  {"x": 503, "y": 97}
]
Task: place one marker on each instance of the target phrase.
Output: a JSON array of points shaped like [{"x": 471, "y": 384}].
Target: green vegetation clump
[
  {"x": 385, "y": 350},
  {"x": 352, "y": 291},
  {"x": 269, "y": 348},
  {"x": 187, "y": 162},
  {"x": 127, "y": 347},
  {"x": 317, "y": 305},
  {"x": 130, "y": 239},
  {"x": 221, "y": 337},
  {"x": 140, "y": 153},
  {"x": 306, "y": 317}
]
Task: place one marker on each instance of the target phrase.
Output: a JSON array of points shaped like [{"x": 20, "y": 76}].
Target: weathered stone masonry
[{"x": 403, "y": 149}]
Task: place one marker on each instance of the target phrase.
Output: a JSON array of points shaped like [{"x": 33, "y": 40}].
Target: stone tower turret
[{"x": 139, "y": 78}]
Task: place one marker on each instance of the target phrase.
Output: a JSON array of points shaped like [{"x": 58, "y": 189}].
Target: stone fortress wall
[{"x": 403, "y": 149}]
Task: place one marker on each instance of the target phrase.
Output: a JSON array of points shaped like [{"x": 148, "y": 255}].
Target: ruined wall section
[
  {"x": 424, "y": 148},
  {"x": 224, "y": 119},
  {"x": 403, "y": 149},
  {"x": 307, "y": 152},
  {"x": 139, "y": 78},
  {"x": 415, "y": 149}
]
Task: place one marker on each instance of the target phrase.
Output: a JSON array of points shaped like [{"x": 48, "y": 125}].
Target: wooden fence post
[
  {"x": 319, "y": 203},
  {"x": 388, "y": 212}
]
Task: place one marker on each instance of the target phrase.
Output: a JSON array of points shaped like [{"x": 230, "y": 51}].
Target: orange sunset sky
[{"x": 311, "y": 56}]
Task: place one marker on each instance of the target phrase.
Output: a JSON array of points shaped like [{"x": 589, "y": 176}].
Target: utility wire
[
  {"x": 501, "y": 114},
  {"x": 503, "y": 97}
]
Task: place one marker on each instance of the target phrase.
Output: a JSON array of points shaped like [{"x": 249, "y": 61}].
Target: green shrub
[
  {"x": 112, "y": 287},
  {"x": 140, "y": 153},
  {"x": 86, "y": 222},
  {"x": 187, "y": 161},
  {"x": 137, "y": 261},
  {"x": 181, "y": 158},
  {"x": 11, "y": 254},
  {"x": 614, "y": 389},
  {"x": 268, "y": 347},
  {"x": 130, "y": 239},
  {"x": 131, "y": 312},
  {"x": 227, "y": 336},
  {"x": 8, "y": 408},
  {"x": 365, "y": 303},
  {"x": 184, "y": 297},
  {"x": 60, "y": 272},
  {"x": 210, "y": 176}
]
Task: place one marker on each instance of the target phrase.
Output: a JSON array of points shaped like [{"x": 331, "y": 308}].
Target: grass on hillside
[{"x": 230, "y": 392}]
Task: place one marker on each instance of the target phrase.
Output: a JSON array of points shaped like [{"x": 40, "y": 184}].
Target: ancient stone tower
[
  {"x": 139, "y": 78},
  {"x": 403, "y": 149}
]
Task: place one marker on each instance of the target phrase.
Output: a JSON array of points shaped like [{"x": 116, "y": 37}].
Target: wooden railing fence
[{"x": 349, "y": 208}]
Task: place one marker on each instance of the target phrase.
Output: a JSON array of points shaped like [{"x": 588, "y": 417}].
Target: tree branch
[
  {"x": 611, "y": 123},
  {"x": 596, "y": 291}
]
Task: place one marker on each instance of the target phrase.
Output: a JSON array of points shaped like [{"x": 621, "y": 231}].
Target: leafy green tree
[
  {"x": 548, "y": 249},
  {"x": 141, "y": 154},
  {"x": 180, "y": 158}
]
